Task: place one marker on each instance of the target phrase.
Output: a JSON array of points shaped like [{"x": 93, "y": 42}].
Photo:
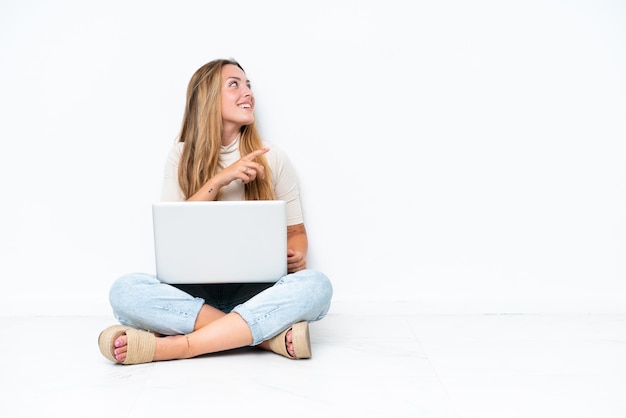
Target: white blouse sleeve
[
  {"x": 286, "y": 185},
  {"x": 171, "y": 191}
]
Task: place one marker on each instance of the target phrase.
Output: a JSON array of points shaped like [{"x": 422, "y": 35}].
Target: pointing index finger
[{"x": 254, "y": 154}]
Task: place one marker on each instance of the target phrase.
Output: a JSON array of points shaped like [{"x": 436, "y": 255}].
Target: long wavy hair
[{"x": 201, "y": 132}]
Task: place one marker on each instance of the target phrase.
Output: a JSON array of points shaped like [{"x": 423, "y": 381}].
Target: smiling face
[{"x": 237, "y": 99}]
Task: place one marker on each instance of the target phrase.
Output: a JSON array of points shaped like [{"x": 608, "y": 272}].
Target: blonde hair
[{"x": 201, "y": 132}]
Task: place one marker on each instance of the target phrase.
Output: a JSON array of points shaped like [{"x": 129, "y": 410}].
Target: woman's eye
[{"x": 233, "y": 84}]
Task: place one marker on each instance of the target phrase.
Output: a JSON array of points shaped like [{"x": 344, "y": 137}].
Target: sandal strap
[
  {"x": 141, "y": 346},
  {"x": 278, "y": 345}
]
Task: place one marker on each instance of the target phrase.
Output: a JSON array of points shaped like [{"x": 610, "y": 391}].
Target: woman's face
[{"x": 237, "y": 98}]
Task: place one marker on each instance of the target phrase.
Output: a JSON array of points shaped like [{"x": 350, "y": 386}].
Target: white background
[{"x": 455, "y": 156}]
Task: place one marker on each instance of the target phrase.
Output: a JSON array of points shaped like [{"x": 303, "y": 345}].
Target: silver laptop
[{"x": 220, "y": 242}]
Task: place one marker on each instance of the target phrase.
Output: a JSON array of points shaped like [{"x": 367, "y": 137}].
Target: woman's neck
[{"x": 229, "y": 134}]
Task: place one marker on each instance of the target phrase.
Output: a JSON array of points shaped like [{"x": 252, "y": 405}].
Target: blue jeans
[{"x": 141, "y": 301}]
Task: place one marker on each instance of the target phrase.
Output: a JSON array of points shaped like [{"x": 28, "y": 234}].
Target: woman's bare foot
[
  {"x": 167, "y": 348},
  {"x": 289, "y": 344}
]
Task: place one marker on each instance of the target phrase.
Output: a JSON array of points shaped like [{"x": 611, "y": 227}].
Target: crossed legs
[
  {"x": 184, "y": 325},
  {"x": 214, "y": 331}
]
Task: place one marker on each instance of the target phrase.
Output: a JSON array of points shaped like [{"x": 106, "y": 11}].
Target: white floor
[{"x": 364, "y": 365}]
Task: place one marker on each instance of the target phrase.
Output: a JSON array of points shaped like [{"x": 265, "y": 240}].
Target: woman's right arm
[{"x": 244, "y": 169}]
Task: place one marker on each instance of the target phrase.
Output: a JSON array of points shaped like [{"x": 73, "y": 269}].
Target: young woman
[{"x": 221, "y": 156}]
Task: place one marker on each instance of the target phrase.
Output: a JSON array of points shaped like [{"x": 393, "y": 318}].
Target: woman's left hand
[{"x": 295, "y": 261}]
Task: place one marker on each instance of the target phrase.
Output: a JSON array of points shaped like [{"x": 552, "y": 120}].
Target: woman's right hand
[{"x": 244, "y": 169}]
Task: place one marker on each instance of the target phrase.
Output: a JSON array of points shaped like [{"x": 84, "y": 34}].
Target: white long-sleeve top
[{"x": 284, "y": 178}]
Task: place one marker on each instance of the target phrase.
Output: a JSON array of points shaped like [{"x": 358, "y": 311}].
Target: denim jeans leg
[
  {"x": 301, "y": 296},
  {"x": 141, "y": 301}
]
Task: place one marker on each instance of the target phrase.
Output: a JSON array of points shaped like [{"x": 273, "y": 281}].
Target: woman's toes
[
  {"x": 121, "y": 345},
  {"x": 121, "y": 341},
  {"x": 289, "y": 344}
]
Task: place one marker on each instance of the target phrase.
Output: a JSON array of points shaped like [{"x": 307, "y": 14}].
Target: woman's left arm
[{"x": 297, "y": 247}]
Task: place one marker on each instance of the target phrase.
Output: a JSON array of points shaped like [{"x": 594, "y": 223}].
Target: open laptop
[{"x": 220, "y": 242}]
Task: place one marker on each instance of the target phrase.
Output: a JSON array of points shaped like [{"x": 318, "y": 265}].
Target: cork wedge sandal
[
  {"x": 141, "y": 344},
  {"x": 300, "y": 338}
]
